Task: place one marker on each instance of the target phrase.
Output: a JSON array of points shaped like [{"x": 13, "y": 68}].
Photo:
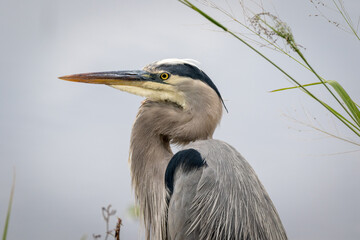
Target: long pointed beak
[{"x": 133, "y": 77}]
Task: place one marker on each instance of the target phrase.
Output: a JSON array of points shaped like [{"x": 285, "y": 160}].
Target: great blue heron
[{"x": 205, "y": 191}]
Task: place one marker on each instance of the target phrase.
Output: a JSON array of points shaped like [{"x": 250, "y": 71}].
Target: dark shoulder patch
[{"x": 188, "y": 159}]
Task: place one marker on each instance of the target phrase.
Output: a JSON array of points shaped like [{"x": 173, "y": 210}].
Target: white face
[{"x": 157, "y": 91}]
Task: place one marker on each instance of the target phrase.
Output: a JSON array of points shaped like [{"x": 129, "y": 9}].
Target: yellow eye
[{"x": 164, "y": 76}]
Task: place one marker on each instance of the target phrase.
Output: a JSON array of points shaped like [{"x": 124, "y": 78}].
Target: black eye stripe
[{"x": 188, "y": 70}]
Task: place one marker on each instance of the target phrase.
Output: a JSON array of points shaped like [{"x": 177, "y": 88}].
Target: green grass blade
[
  {"x": 344, "y": 120},
  {"x": 212, "y": 20},
  {"x": 9, "y": 209},
  {"x": 297, "y": 50},
  {"x": 351, "y": 105},
  {"x": 295, "y": 87}
]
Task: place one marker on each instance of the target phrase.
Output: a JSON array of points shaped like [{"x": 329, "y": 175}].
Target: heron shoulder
[
  {"x": 217, "y": 152},
  {"x": 220, "y": 156},
  {"x": 187, "y": 160},
  {"x": 225, "y": 199}
]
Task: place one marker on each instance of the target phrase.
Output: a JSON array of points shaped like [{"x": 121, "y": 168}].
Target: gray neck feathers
[
  {"x": 149, "y": 155},
  {"x": 156, "y": 125}
]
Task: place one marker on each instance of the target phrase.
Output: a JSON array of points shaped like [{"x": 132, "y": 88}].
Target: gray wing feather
[
  {"x": 224, "y": 200},
  {"x": 179, "y": 211}
]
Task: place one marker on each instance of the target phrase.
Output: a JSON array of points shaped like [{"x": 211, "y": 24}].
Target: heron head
[{"x": 174, "y": 80}]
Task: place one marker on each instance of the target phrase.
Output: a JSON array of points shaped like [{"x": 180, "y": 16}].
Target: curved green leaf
[{"x": 351, "y": 105}]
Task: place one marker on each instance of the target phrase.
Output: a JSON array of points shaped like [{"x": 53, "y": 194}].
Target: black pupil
[{"x": 164, "y": 75}]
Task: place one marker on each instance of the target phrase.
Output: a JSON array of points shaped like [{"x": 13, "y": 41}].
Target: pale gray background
[{"x": 69, "y": 141}]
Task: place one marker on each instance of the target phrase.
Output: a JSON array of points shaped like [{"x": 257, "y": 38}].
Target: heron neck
[{"x": 149, "y": 157}]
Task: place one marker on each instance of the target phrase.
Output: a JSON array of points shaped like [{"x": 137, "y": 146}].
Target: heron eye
[{"x": 164, "y": 76}]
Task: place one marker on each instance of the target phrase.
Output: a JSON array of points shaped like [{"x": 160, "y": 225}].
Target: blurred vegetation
[
  {"x": 261, "y": 28},
  {"x": 107, "y": 214},
  {"x": 7, "y": 221},
  {"x": 134, "y": 211}
]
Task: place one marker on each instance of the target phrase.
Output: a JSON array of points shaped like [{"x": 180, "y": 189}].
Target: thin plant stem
[
  {"x": 347, "y": 19},
  {"x": 271, "y": 43},
  {"x": 325, "y": 132}
]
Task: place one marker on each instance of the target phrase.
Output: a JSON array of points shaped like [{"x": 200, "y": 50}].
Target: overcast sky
[{"x": 69, "y": 141}]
